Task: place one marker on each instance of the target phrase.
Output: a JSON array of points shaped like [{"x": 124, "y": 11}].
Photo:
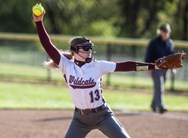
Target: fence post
[
  {"x": 49, "y": 73},
  {"x": 172, "y": 79},
  {"x": 134, "y": 55},
  {"x": 108, "y": 56}
]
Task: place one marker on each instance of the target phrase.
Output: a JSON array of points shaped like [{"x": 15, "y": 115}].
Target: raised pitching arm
[{"x": 45, "y": 40}]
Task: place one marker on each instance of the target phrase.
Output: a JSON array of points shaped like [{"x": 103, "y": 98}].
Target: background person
[{"x": 159, "y": 47}]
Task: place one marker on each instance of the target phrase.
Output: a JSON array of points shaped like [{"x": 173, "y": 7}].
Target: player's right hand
[{"x": 38, "y": 18}]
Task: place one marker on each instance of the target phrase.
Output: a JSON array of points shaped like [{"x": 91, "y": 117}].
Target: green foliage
[
  {"x": 15, "y": 16},
  {"x": 80, "y": 17},
  {"x": 124, "y": 18},
  {"x": 101, "y": 28}
]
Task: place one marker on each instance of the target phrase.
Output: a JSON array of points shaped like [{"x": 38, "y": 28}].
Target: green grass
[
  {"x": 38, "y": 96},
  {"x": 141, "y": 100},
  {"x": 17, "y": 71},
  {"x": 23, "y": 95}
]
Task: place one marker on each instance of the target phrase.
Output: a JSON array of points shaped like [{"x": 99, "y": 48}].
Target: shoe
[
  {"x": 162, "y": 110},
  {"x": 153, "y": 109}
]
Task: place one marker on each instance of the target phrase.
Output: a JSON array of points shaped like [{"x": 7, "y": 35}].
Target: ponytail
[{"x": 50, "y": 63}]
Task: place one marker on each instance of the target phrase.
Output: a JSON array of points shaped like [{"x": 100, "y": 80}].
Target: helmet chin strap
[{"x": 88, "y": 60}]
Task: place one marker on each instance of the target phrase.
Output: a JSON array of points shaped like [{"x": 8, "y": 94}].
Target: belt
[{"x": 89, "y": 111}]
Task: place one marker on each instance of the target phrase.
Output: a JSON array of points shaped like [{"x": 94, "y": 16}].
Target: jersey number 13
[{"x": 94, "y": 95}]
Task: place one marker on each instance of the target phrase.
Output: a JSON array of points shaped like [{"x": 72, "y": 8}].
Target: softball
[{"x": 38, "y": 10}]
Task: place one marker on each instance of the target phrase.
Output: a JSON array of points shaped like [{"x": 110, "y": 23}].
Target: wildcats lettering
[{"x": 80, "y": 83}]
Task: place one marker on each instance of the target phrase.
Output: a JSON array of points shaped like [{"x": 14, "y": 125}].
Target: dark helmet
[{"x": 79, "y": 41}]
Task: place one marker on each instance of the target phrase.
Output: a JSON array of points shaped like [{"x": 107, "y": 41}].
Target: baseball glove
[{"x": 172, "y": 61}]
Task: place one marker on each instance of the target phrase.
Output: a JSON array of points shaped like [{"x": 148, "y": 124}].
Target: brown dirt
[{"x": 54, "y": 123}]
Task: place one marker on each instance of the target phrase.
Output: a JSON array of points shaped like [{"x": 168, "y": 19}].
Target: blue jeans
[{"x": 159, "y": 77}]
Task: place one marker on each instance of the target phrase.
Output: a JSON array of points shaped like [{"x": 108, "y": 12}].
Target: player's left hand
[{"x": 171, "y": 62}]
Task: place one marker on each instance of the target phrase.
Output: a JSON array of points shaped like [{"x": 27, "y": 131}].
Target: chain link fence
[{"x": 21, "y": 59}]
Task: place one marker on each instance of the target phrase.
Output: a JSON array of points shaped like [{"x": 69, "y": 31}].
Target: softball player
[{"x": 83, "y": 77}]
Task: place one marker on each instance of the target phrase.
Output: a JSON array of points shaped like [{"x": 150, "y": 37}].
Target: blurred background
[{"x": 120, "y": 29}]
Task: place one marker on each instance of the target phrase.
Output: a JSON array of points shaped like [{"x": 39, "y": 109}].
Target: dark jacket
[{"x": 158, "y": 48}]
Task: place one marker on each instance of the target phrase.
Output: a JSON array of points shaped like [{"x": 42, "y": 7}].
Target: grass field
[{"x": 40, "y": 96}]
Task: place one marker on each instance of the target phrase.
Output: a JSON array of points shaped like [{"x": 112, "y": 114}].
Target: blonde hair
[{"x": 50, "y": 63}]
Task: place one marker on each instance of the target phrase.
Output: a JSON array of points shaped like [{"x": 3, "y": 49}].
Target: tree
[
  {"x": 15, "y": 16},
  {"x": 181, "y": 20},
  {"x": 121, "y": 18},
  {"x": 141, "y": 18}
]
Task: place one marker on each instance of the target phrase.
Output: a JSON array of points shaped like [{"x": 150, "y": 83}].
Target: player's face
[
  {"x": 165, "y": 35},
  {"x": 85, "y": 51}
]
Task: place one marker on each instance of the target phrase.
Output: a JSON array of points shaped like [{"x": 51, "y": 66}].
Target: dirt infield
[{"x": 54, "y": 123}]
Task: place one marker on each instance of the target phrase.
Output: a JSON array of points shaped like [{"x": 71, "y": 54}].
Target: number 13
[{"x": 95, "y": 96}]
